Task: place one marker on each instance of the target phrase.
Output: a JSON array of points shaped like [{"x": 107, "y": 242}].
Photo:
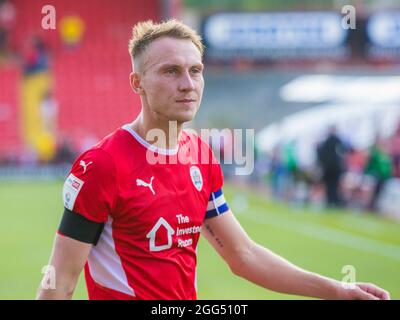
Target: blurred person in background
[
  {"x": 35, "y": 57},
  {"x": 292, "y": 169},
  {"x": 72, "y": 30},
  {"x": 284, "y": 171},
  {"x": 378, "y": 166},
  {"x": 331, "y": 159},
  {"x": 3, "y": 43},
  {"x": 7, "y": 21},
  {"x": 49, "y": 112},
  {"x": 277, "y": 173},
  {"x": 66, "y": 153},
  {"x": 353, "y": 178},
  {"x": 394, "y": 149}
]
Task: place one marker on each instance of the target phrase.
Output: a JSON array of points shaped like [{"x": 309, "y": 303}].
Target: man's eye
[
  {"x": 172, "y": 71},
  {"x": 196, "y": 70}
]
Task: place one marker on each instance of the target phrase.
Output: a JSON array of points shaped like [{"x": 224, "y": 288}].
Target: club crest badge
[{"x": 197, "y": 179}]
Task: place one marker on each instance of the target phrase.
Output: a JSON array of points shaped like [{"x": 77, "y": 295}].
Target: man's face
[{"x": 171, "y": 79}]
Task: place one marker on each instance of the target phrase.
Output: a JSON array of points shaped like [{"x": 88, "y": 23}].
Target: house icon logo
[{"x": 161, "y": 223}]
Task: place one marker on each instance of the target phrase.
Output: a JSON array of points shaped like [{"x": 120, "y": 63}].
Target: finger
[
  {"x": 364, "y": 295},
  {"x": 385, "y": 295},
  {"x": 375, "y": 290}
]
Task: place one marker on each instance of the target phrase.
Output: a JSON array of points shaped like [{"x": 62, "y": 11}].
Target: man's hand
[
  {"x": 263, "y": 267},
  {"x": 364, "y": 291}
]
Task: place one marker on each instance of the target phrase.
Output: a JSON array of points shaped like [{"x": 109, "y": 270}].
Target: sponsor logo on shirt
[
  {"x": 75, "y": 185},
  {"x": 71, "y": 189},
  {"x": 141, "y": 183},
  {"x": 183, "y": 233},
  {"x": 153, "y": 234},
  {"x": 84, "y": 165}
]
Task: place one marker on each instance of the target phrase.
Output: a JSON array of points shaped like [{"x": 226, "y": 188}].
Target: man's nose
[{"x": 186, "y": 82}]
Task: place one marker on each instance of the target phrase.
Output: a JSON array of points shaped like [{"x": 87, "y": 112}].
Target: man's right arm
[{"x": 68, "y": 259}]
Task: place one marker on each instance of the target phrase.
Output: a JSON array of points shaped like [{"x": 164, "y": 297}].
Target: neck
[{"x": 162, "y": 134}]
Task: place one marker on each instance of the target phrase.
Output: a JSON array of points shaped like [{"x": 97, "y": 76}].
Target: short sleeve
[
  {"x": 217, "y": 204},
  {"x": 217, "y": 177},
  {"x": 90, "y": 188}
]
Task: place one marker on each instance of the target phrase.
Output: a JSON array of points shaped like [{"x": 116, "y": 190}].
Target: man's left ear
[{"x": 135, "y": 82}]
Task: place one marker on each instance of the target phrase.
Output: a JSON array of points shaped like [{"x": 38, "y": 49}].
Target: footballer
[{"x": 133, "y": 224}]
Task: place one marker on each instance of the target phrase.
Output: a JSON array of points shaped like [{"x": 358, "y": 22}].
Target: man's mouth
[{"x": 186, "y": 100}]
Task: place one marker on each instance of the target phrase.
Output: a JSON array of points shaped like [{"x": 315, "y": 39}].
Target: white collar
[{"x": 168, "y": 152}]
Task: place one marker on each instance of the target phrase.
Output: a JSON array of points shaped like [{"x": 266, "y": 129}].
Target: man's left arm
[{"x": 261, "y": 266}]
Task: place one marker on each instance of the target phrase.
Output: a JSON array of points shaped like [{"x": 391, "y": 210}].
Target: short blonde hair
[{"x": 145, "y": 32}]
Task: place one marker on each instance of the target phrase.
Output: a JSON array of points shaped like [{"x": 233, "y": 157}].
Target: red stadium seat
[{"x": 9, "y": 113}]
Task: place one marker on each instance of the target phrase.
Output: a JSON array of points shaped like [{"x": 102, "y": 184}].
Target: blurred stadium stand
[
  {"x": 90, "y": 80},
  {"x": 252, "y": 55},
  {"x": 9, "y": 112}
]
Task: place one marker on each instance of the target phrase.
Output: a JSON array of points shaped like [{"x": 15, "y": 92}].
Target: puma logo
[
  {"x": 84, "y": 165},
  {"x": 149, "y": 185}
]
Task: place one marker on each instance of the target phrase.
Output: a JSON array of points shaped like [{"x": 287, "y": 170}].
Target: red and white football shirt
[{"x": 153, "y": 202}]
